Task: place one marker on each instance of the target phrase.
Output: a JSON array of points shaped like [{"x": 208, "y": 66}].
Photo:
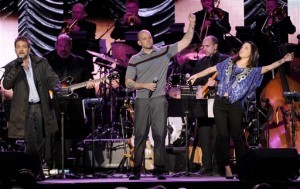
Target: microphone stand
[
  {"x": 109, "y": 28},
  {"x": 224, "y": 29}
]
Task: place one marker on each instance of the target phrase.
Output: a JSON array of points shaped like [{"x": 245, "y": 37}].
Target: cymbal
[
  {"x": 122, "y": 52},
  {"x": 103, "y": 65},
  {"x": 192, "y": 52},
  {"x": 102, "y": 56}
]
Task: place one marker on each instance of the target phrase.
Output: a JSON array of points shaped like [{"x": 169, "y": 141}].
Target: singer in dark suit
[
  {"x": 32, "y": 115},
  {"x": 146, "y": 73},
  {"x": 207, "y": 134}
]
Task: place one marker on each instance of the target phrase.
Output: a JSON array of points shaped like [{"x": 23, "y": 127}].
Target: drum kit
[
  {"x": 119, "y": 96},
  {"x": 177, "y": 79},
  {"x": 121, "y": 99},
  {"x": 114, "y": 92}
]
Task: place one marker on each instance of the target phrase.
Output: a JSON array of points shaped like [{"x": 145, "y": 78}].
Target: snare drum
[
  {"x": 174, "y": 92},
  {"x": 175, "y": 81}
]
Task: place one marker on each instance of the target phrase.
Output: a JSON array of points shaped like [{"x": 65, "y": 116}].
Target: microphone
[
  {"x": 187, "y": 76},
  {"x": 155, "y": 80},
  {"x": 19, "y": 61}
]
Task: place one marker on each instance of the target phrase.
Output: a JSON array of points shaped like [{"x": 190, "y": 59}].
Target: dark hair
[
  {"x": 253, "y": 59},
  {"x": 23, "y": 38}
]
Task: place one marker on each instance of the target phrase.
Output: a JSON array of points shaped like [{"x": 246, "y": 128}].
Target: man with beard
[{"x": 66, "y": 64}]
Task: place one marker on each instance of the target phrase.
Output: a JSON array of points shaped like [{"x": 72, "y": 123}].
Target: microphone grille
[
  {"x": 155, "y": 79},
  {"x": 187, "y": 75}
]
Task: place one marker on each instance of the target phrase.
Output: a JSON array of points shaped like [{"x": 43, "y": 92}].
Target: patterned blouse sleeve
[{"x": 221, "y": 67}]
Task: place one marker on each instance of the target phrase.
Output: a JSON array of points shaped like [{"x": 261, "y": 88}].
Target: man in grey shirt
[{"x": 146, "y": 73}]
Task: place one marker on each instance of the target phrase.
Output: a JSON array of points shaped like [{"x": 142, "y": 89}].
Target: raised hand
[{"x": 288, "y": 57}]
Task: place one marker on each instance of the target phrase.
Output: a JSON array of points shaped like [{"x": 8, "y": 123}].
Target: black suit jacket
[{"x": 207, "y": 62}]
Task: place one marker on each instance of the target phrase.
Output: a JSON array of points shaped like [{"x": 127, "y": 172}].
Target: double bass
[{"x": 282, "y": 129}]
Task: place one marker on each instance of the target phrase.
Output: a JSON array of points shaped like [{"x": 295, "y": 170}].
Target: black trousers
[
  {"x": 34, "y": 136},
  {"x": 207, "y": 141},
  {"x": 228, "y": 118},
  {"x": 150, "y": 112}
]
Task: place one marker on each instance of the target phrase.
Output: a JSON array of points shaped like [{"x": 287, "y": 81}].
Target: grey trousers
[{"x": 150, "y": 112}]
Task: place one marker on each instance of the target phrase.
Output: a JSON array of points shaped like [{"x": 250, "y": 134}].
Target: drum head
[
  {"x": 174, "y": 92},
  {"x": 122, "y": 52}
]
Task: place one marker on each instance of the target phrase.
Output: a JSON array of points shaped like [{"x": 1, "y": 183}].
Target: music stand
[
  {"x": 61, "y": 103},
  {"x": 190, "y": 107},
  {"x": 91, "y": 103}
]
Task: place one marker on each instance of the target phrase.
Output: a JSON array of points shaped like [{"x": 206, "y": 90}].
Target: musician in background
[
  {"x": 131, "y": 21},
  {"x": 212, "y": 21},
  {"x": 82, "y": 33},
  {"x": 238, "y": 78},
  {"x": 271, "y": 34},
  {"x": 207, "y": 133},
  {"x": 32, "y": 116},
  {"x": 79, "y": 23},
  {"x": 272, "y": 30},
  {"x": 66, "y": 64}
]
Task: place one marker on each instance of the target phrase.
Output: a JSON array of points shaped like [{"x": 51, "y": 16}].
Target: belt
[
  {"x": 221, "y": 97},
  {"x": 34, "y": 103}
]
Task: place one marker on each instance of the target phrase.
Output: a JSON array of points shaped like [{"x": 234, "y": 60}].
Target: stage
[{"x": 148, "y": 181}]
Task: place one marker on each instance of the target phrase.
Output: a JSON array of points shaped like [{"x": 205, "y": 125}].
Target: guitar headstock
[{"x": 113, "y": 76}]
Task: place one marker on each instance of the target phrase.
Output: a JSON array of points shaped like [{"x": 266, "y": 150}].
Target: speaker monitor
[
  {"x": 269, "y": 165},
  {"x": 12, "y": 162},
  {"x": 107, "y": 154}
]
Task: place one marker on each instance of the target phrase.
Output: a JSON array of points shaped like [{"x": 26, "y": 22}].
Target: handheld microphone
[
  {"x": 155, "y": 80},
  {"x": 187, "y": 76},
  {"x": 19, "y": 61}
]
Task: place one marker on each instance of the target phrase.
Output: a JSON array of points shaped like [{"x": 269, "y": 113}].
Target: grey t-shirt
[{"x": 143, "y": 68}]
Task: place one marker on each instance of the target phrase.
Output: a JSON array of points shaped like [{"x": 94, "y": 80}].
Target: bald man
[
  {"x": 64, "y": 64},
  {"x": 83, "y": 34},
  {"x": 146, "y": 73},
  {"x": 206, "y": 132}
]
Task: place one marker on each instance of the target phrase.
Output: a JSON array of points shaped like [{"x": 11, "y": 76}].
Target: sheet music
[{"x": 210, "y": 103}]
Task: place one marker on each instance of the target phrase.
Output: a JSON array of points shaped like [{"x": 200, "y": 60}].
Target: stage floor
[{"x": 148, "y": 181}]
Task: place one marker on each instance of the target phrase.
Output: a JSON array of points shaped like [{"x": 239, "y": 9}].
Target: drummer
[{"x": 206, "y": 130}]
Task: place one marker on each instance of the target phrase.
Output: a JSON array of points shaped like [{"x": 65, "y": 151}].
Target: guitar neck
[
  {"x": 205, "y": 87},
  {"x": 83, "y": 84}
]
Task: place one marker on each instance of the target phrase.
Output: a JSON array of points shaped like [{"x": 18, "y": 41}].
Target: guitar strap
[{"x": 239, "y": 77}]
